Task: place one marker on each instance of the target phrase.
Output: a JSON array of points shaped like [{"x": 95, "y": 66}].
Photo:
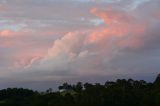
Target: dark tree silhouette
[{"x": 122, "y": 92}]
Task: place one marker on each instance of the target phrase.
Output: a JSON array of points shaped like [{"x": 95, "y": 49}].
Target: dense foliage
[{"x": 119, "y": 93}]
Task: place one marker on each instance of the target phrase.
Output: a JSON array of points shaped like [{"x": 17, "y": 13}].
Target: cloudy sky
[{"x": 46, "y": 42}]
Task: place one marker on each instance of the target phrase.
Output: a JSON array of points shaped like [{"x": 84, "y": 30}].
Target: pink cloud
[
  {"x": 86, "y": 52},
  {"x": 122, "y": 30},
  {"x": 25, "y": 58},
  {"x": 104, "y": 49},
  {"x": 25, "y": 61},
  {"x": 8, "y": 33},
  {"x": 7, "y": 36},
  {"x": 10, "y": 38},
  {"x": 120, "y": 27},
  {"x": 70, "y": 42}
]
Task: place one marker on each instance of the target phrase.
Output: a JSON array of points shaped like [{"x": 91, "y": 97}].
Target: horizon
[{"x": 45, "y": 43}]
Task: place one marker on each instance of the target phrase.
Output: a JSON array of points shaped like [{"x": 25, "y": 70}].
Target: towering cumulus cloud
[{"x": 103, "y": 38}]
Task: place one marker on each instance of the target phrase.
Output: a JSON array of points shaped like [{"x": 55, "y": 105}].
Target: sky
[{"x": 44, "y": 43}]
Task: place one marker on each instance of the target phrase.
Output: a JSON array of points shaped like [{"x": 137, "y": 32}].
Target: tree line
[{"x": 121, "y": 92}]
